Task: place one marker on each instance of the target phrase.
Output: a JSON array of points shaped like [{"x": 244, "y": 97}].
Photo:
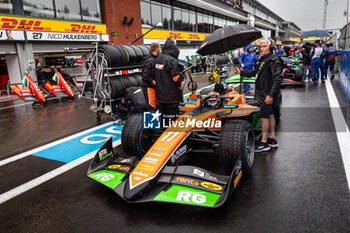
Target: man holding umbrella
[
  {"x": 267, "y": 90},
  {"x": 267, "y": 84}
]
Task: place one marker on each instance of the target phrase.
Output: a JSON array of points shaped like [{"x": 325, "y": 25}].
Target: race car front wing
[{"x": 183, "y": 184}]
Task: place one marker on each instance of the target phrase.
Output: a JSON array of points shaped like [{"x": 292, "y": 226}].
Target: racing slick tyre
[
  {"x": 144, "y": 49},
  {"x": 138, "y": 53},
  {"x": 131, "y": 78},
  {"x": 236, "y": 139},
  {"x": 139, "y": 79},
  {"x": 123, "y": 55},
  {"x": 131, "y": 55},
  {"x": 136, "y": 141},
  {"x": 111, "y": 55}
]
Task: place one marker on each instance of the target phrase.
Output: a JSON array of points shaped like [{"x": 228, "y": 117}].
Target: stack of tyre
[
  {"x": 119, "y": 84},
  {"x": 124, "y": 55}
]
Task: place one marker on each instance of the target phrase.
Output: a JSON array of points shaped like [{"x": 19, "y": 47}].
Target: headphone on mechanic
[{"x": 271, "y": 47}]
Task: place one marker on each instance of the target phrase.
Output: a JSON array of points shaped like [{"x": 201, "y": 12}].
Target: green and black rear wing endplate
[{"x": 187, "y": 185}]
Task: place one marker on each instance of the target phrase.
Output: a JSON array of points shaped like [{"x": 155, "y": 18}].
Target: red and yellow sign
[
  {"x": 176, "y": 35},
  {"x": 44, "y": 25}
]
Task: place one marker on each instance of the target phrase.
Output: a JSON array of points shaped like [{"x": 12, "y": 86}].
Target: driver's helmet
[{"x": 213, "y": 101}]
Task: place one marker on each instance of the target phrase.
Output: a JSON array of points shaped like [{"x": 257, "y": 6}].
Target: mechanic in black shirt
[
  {"x": 168, "y": 79},
  {"x": 137, "y": 100},
  {"x": 267, "y": 91},
  {"x": 148, "y": 75},
  {"x": 307, "y": 61}
]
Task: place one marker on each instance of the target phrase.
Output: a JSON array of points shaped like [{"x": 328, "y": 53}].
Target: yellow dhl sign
[
  {"x": 44, "y": 25},
  {"x": 176, "y": 35},
  {"x": 315, "y": 38},
  {"x": 295, "y": 39}
]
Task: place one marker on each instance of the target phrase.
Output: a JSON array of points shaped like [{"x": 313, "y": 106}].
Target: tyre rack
[{"x": 99, "y": 75}]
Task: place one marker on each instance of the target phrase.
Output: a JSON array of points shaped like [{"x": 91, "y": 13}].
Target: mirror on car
[{"x": 230, "y": 106}]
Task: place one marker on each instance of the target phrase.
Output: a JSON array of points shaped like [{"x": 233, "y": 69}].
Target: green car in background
[{"x": 237, "y": 79}]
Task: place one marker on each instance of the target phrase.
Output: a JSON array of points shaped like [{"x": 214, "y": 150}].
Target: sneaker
[
  {"x": 272, "y": 142},
  {"x": 332, "y": 77},
  {"x": 262, "y": 146},
  {"x": 323, "y": 81}
]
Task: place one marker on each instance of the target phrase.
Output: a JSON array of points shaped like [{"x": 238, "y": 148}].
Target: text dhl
[
  {"x": 35, "y": 25},
  {"x": 175, "y": 35}
]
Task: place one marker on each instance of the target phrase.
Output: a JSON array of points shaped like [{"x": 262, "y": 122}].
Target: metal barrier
[{"x": 344, "y": 72}]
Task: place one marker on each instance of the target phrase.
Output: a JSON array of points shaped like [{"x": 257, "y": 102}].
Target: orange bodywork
[{"x": 162, "y": 150}]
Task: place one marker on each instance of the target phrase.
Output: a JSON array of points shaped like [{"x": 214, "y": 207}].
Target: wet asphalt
[{"x": 299, "y": 187}]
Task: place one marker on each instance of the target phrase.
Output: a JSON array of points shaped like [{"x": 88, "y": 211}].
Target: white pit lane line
[
  {"x": 48, "y": 176},
  {"x": 27, "y": 153},
  {"x": 343, "y": 134}
]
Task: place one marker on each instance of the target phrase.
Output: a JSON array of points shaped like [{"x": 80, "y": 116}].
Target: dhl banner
[
  {"x": 11, "y": 28},
  {"x": 162, "y": 35},
  {"x": 176, "y": 35},
  {"x": 316, "y": 38},
  {"x": 295, "y": 39}
]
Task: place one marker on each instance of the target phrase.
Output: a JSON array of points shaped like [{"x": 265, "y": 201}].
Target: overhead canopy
[{"x": 265, "y": 26}]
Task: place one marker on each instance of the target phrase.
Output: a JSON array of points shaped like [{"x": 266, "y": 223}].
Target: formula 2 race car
[
  {"x": 221, "y": 121},
  {"x": 293, "y": 73}
]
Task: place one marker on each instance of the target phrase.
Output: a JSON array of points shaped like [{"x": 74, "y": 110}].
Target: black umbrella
[
  {"x": 315, "y": 33},
  {"x": 229, "y": 38}
]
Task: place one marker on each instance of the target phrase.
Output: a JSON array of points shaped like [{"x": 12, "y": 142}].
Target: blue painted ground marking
[{"x": 74, "y": 148}]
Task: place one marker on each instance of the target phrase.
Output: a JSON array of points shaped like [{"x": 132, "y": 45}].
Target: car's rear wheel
[{"x": 236, "y": 139}]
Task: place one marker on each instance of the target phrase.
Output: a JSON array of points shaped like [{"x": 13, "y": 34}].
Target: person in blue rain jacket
[
  {"x": 248, "y": 61},
  {"x": 316, "y": 55},
  {"x": 279, "y": 51},
  {"x": 331, "y": 55}
]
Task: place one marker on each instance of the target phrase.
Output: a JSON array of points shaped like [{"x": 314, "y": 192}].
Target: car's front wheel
[
  {"x": 236, "y": 139},
  {"x": 136, "y": 140}
]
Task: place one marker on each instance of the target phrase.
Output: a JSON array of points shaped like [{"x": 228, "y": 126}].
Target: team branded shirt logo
[
  {"x": 160, "y": 66},
  {"x": 152, "y": 120}
]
